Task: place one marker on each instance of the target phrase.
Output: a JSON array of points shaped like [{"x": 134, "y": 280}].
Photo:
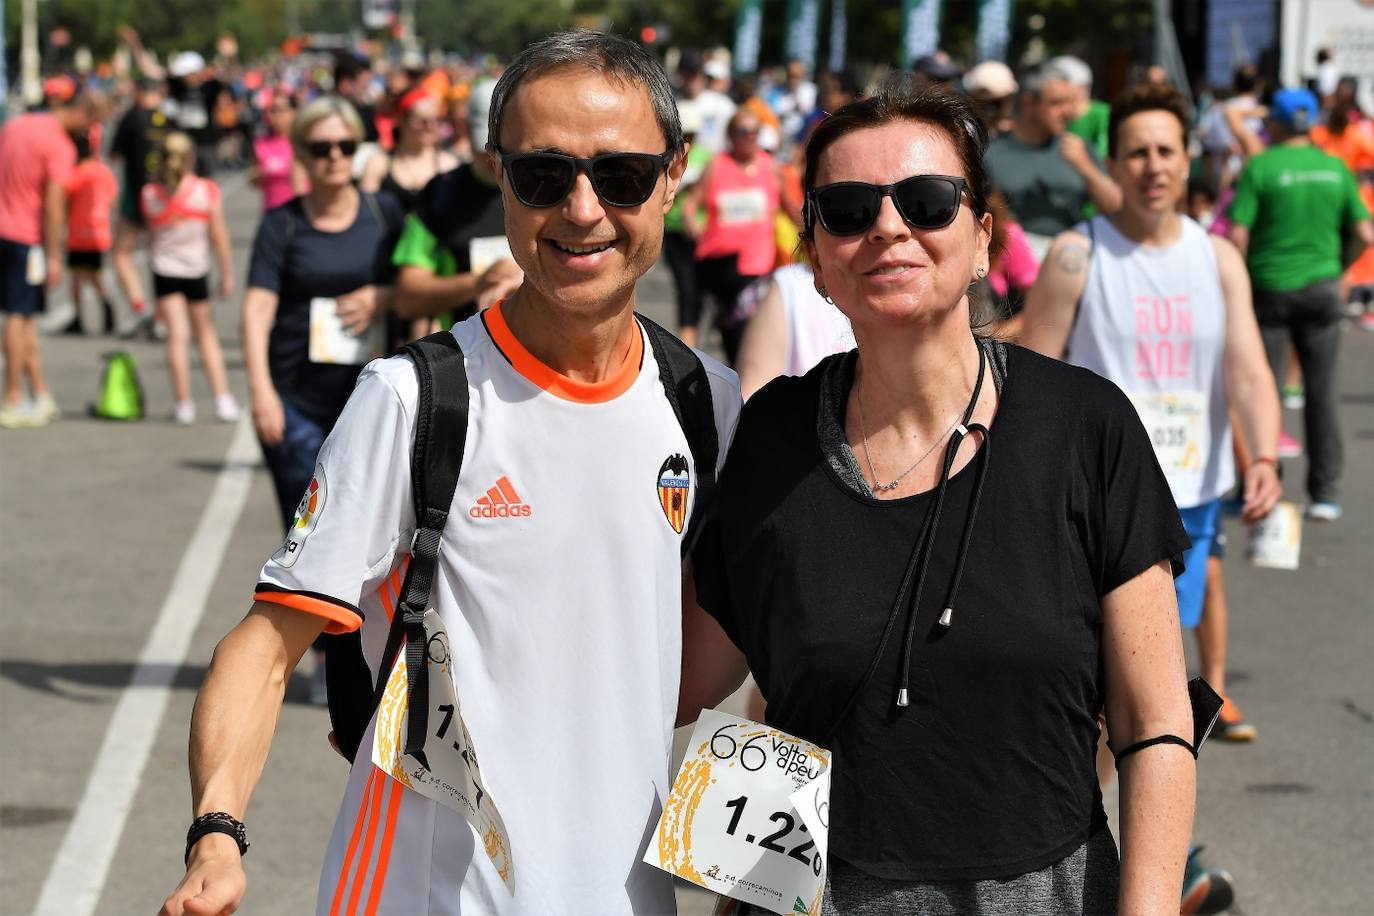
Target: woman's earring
[
  {"x": 820, "y": 290},
  {"x": 981, "y": 272}
]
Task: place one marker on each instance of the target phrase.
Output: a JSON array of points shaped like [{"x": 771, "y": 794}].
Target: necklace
[{"x": 878, "y": 485}]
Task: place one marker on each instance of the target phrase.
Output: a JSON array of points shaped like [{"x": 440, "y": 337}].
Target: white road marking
[{"x": 77, "y": 876}]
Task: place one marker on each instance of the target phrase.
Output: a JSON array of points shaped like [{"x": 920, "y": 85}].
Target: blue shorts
[
  {"x": 1202, "y": 523},
  {"x": 17, "y": 295}
]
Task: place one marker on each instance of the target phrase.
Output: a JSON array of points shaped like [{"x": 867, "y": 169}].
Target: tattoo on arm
[{"x": 1072, "y": 258}]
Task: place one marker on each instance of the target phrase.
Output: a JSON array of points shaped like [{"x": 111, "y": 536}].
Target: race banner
[
  {"x": 839, "y": 35},
  {"x": 748, "y": 35},
  {"x": 994, "y": 29},
  {"x": 803, "y": 20},
  {"x": 920, "y": 29}
]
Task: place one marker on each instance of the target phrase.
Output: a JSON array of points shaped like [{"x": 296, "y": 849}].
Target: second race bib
[
  {"x": 452, "y": 778},
  {"x": 330, "y": 343},
  {"x": 748, "y": 816}
]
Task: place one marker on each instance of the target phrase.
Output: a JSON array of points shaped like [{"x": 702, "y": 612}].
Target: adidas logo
[{"x": 501, "y": 501}]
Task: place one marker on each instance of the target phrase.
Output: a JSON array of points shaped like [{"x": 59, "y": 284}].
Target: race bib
[
  {"x": 452, "y": 778},
  {"x": 1176, "y": 422},
  {"x": 748, "y": 815},
  {"x": 734, "y": 207},
  {"x": 331, "y": 343},
  {"x": 486, "y": 251}
]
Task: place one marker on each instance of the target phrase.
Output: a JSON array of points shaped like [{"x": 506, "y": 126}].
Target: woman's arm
[
  {"x": 1147, "y": 696},
  {"x": 1052, "y": 302},
  {"x": 219, "y": 238},
  {"x": 696, "y": 199},
  {"x": 259, "y": 310},
  {"x": 1250, "y": 387}
]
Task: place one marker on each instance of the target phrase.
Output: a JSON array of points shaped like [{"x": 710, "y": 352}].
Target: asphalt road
[{"x": 106, "y": 564}]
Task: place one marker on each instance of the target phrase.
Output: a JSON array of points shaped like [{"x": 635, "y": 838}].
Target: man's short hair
[
  {"x": 1245, "y": 78},
  {"x": 610, "y": 56},
  {"x": 1033, "y": 80},
  {"x": 347, "y": 67},
  {"x": 1076, "y": 71},
  {"x": 1147, "y": 97}
]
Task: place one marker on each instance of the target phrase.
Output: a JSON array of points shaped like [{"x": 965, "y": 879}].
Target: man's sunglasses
[
  {"x": 323, "y": 149},
  {"x": 619, "y": 179},
  {"x": 851, "y": 207}
]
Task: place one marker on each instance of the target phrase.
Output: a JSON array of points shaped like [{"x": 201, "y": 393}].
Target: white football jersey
[{"x": 559, "y": 582}]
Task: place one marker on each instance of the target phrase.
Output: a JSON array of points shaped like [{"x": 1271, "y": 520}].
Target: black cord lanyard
[{"x": 921, "y": 551}]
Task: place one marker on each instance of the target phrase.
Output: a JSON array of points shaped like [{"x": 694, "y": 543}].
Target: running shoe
[
  {"x": 184, "y": 413},
  {"x": 226, "y": 408},
  {"x": 1231, "y": 725},
  {"x": 1322, "y": 511},
  {"x": 1205, "y": 890},
  {"x": 1289, "y": 447},
  {"x": 1293, "y": 397},
  {"x": 47, "y": 407},
  {"x": 23, "y": 415}
]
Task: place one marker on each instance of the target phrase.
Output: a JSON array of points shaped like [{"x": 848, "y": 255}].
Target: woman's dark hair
[
  {"x": 1147, "y": 97},
  {"x": 951, "y": 114}
]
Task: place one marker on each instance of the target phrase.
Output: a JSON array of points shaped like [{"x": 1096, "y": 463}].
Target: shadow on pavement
[{"x": 59, "y": 678}]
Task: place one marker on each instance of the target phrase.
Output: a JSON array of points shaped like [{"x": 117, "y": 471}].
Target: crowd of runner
[{"x": 1203, "y": 255}]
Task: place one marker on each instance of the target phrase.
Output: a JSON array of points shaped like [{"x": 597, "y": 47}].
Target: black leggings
[{"x": 679, "y": 252}]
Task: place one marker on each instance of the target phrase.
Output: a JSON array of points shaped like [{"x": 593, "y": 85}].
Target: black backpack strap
[
  {"x": 441, "y": 426},
  {"x": 689, "y": 392}
]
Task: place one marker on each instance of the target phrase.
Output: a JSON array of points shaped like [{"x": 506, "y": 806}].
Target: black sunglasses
[
  {"x": 323, "y": 149},
  {"x": 619, "y": 179},
  {"x": 851, "y": 207}
]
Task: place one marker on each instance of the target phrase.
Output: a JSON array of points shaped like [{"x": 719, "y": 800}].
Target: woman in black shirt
[{"x": 949, "y": 618}]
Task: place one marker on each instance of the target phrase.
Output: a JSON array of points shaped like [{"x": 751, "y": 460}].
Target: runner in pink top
[
  {"x": 277, "y": 173},
  {"x": 741, "y": 191}
]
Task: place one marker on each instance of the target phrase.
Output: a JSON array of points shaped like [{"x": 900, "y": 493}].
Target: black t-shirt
[
  {"x": 138, "y": 140},
  {"x": 458, "y": 207},
  {"x": 989, "y": 773},
  {"x": 299, "y": 262}
]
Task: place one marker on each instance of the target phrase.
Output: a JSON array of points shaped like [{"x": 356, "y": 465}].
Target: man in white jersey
[
  {"x": 1147, "y": 299},
  {"x": 559, "y": 577}
]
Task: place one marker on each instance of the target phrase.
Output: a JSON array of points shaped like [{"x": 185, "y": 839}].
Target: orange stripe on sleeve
[
  {"x": 341, "y": 619},
  {"x": 359, "y": 822},
  {"x": 373, "y": 821},
  {"x": 384, "y": 856}
]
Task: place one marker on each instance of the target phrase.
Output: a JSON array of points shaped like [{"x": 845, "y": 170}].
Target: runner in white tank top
[
  {"x": 792, "y": 331},
  {"x": 1149, "y": 300}
]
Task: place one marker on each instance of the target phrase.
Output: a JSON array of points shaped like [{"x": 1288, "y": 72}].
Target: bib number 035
[{"x": 748, "y": 815}]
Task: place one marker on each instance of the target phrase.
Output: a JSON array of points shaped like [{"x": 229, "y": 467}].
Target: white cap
[
  {"x": 479, "y": 106},
  {"x": 185, "y": 63},
  {"x": 991, "y": 79},
  {"x": 716, "y": 69}
]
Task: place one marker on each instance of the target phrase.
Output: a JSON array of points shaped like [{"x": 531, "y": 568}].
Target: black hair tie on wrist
[
  {"x": 215, "y": 822},
  {"x": 1150, "y": 742}
]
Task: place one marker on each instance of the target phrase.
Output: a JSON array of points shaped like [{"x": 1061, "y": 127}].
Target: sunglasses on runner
[
  {"x": 323, "y": 149},
  {"x": 619, "y": 179},
  {"x": 851, "y": 207}
]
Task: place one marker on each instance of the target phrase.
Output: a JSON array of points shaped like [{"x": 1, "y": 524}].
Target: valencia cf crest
[{"x": 674, "y": 482}]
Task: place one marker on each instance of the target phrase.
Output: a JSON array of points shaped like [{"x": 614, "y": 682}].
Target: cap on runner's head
[
  {"x": 1295, "y": 109},
  {"x": 938, "y": 67},
  {"x": 991, "y": 79},
  {"x": 716, "y": 69},
  {"x": 186, "y": 63},
  {"x": 479, "y": 107}
]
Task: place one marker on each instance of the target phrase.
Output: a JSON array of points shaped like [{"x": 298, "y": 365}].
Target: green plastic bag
[{"x": 121, "y": 396}]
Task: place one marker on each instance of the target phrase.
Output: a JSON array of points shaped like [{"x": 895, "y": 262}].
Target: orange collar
[{"x": 552, "y": 381}]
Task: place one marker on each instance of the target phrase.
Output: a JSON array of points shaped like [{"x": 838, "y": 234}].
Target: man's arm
[
  {"x": 1360, "y": 241},
  {"x": 1102, "y": 191},
  {"x": 1052, "y": 302},
  {"x": 1250, "y": 387},
  {"x": 235, "y": 715},
  {"x": 712, "y": 667},
  {"x": 420, "y": 293},
  {"x": 54, "y": 219}
]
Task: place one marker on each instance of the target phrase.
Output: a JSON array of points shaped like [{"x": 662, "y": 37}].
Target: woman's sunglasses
[
  {"x": 851, "y": 207},
  {"x": 324, "y": 149},
  {"x": 619, "y": 179}
]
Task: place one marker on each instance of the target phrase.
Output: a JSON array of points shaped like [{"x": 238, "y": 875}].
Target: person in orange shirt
[
  {"x": 91, "y": 192},
  {"x": 1348, "y": 136}
]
